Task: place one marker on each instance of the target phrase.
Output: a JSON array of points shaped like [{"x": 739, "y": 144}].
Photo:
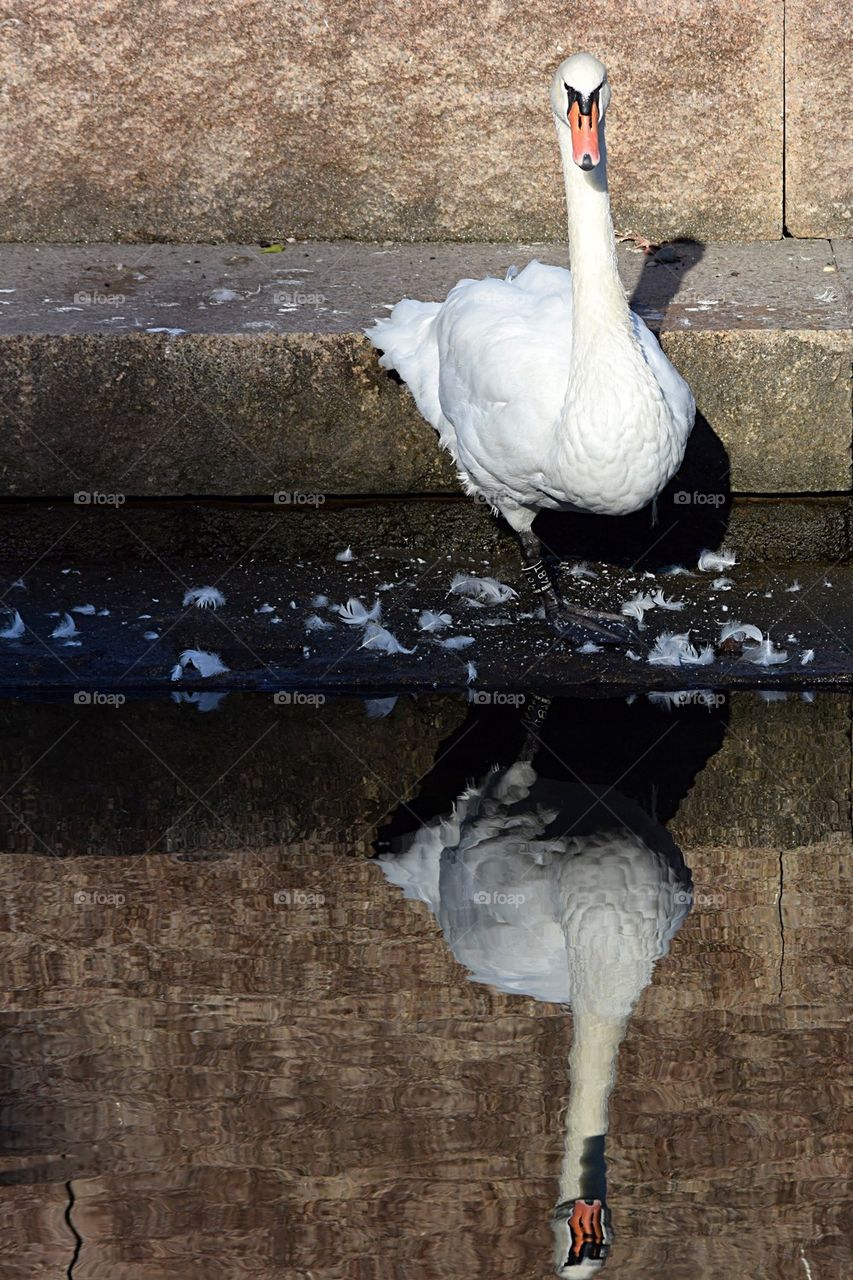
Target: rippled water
[{"x": 295, "y": 989}]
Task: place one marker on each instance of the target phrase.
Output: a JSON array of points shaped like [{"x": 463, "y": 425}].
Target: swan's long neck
[
  {"x": 592, "y": 1070},
  {"x": 598, "y": 297}
]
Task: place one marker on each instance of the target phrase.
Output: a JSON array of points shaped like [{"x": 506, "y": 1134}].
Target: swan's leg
[{"x": 568, "y": 620}]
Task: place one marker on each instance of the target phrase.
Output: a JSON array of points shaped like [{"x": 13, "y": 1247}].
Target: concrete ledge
[{"x": 182, "y": 369}]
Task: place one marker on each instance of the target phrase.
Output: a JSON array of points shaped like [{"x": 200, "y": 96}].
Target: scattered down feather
[
  {"x": 670, "y": 650},
  {"x": 429, "y": 621},
  {"x": 86, "y": 610},
  {"x": 806, "y": 657},
  {"x": 795, "y": 586},
  {"x": 764, "y": 654},
  {"x": 735, "y": 630},
  {"x": 67, "y": 627},
  {"x": 316, "y": 623},
  {"x": 204, "y": 597},
  {"x": 480, "y": 591},
  {"x": 581, "y": 570},
  {"x": 666, "y": 602},
  {"x": 676, "y": 570},
  {"x": 717, "y": 561},
  {"x": 376, "y": 637},
  {"x": 637, "y": 606},
  {"x": 722, "y": 584},
  {"x": 471, "y": 672},
  {"x": 14, "y": 626},
  {"x": 456, "y": 642},
  {"x": 206, "y": 664},
  {"x": 354, "y": 614},
  {"x": 268, "y": 608},
  {"x": 589, "y": 647},
  {"x": 345, "y": 556}
]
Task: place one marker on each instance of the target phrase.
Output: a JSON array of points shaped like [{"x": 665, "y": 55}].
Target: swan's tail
[{"x": 408, "y": 344}]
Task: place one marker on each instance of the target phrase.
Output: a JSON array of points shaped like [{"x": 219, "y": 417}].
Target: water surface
[{"x": 236, "y": 1047}]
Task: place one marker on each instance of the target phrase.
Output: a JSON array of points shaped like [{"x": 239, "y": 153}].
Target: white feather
[
  {"x": 481, "y": 590},
  {"x": 806, "y": 657},
  {"x": 637, "y": 606},
  {"x": 319, "y": 602},
  {"x": 67, "y": 627},
  {"x": 205, "y": 663},
  {"x": 666, "y": 602},
  {"x": 795, "y": 586},
  {"x": 471, "y": 671},
  {"x": 429, "y": 621},
  {"x": 204, "y": 597},
  {"x": 456, "y": 642},
  {"x": 354, "y": 613},
  {"x": 581, "y": 570},
  {"x": 316, "y": 623},
  {"x": 376, "y": 637},
  {"x": 589, "y": 647},
  {"x": 735, "y": 630},
  {"x": 717, "y": 561},
  {"x": 670, "y": 650},
  {"x": 86, "y": 609},
  {"x": 15, "y": 628},
  {"x": 345, "y": 556},
  {"x": 722, "y": 584},
  {"x": 764, "y": 654}
]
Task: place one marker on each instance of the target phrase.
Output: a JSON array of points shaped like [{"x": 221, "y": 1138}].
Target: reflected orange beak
[{"x": 585, "y": 149}]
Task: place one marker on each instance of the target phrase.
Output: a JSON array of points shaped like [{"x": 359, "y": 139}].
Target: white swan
[
  {"x": 567, "y": 894},
  {"x": 546, "y": 389}
]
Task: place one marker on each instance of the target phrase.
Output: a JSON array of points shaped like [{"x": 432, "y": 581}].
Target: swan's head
[
  {"x": 580, "y": 95},
  {"x": 581, "y": 1238}
]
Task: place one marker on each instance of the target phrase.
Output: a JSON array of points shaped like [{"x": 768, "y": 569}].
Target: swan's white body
[
  {"x": 546, "y": 389},
  {"x": 564, "y": 894}
]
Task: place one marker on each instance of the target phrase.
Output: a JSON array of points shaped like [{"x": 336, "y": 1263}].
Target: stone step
[{"x": 183, "y": 369}]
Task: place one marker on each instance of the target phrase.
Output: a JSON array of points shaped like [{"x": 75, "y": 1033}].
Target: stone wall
[{"x": 264, "y": 118}]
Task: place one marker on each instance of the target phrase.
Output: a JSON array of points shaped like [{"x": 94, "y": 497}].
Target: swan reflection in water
[{"x": 553, "y": 882}]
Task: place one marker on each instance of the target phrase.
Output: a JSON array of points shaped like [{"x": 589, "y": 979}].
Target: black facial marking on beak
[{"x": 584, "y": 100}]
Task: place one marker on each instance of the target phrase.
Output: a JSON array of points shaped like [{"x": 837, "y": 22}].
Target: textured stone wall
[{"x": 249, "y": 119}]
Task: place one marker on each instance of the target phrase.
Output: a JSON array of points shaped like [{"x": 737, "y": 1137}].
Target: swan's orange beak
[{"x": 585, "y": 149}]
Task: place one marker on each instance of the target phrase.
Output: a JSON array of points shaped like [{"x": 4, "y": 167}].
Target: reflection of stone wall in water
[
  {"x": 251, "y": 1084},
  {"x": 125, "y": 780}
]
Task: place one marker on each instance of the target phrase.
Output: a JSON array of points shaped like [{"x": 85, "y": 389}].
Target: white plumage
[
  {"x": 568, "y": 894},
  {"x": 546, "y": 390}
]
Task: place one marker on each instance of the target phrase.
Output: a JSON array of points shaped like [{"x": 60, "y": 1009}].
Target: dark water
[{"x": 241, "y": 1033}]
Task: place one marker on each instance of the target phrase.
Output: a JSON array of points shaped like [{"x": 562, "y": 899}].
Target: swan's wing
[
  {"x": 407, "y": 341},
  {"x": 676, "y": 392},
  {"x": 506, "y": 342}
]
